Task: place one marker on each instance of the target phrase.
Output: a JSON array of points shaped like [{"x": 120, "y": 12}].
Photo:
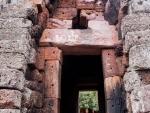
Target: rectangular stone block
[
  {"x": 67, "y": 3},
  {"x": 132, "y": 81},
  {"x": 65, "y": 13},
  {"x": 140, "y": 99},
  {"x": 59, "y": 24},
  {"x": 52, "y": 105},
  {"x": 92, "y": 15},
  {"x": 11, "y": 78},
  {"x": 53, "y": 53},
  {"x": 13, "y": 61},
  {"x": 40, "y": 60},
  {"x": 10, "y": 111},
  {"x": 139, "y": 57},
  {"x": 77, "y": 38},
  {"x": 17, "y": 11},
  {"x": 15, "y": 34},
  {"x": 137, "y": 6},
  {"x": 53, "y": 79},
  {"x": 21, "y": 46},
  {"x": 10, "y": 99},
  {"x": 15, "y": 23},
  {"x": 85, "y": 4},
  {"x": 135, "y": 22},
  {"x": 136, "y": 38},
  {"x": 110, "y": 68},
  {"x": 32, "y": 99}
]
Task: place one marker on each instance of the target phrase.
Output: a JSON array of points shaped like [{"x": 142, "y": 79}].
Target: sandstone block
[
  {"x": 53, "y": 53},
  {"x": 139, "y": 57},
  {"x": 10, "y": 111},
  {"x": 140, "y": 100},
  {"x": 32, "y": 99},
  {"x": 10, "y": 98},
  {"x": 135, "y": 22},
  {"x": 92, "y": 15},
  {"x": 13, "y": 61},
  {"x": 136, "y": 38},
  {"x": 15, "y": 23},
  {"x": 67, "y": 3},
  {"x": 53, "y": 79},
  {"x": 65, "y": 13},
  {"x": 40, "y": 59},
  {"x": 11, "y": 78},
  {"x": 138, "y": 6},
  {"x": 78, "y": 38},
  {"x": 85, "y": 4},
  {"x": 59, "y": 24}
]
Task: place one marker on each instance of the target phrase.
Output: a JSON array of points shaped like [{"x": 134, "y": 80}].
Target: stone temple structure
[{"x": 52, "y": 49}]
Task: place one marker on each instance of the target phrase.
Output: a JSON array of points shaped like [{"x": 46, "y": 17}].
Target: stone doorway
[
  {"x": 81, "y": 73},
  {"x": 101, "y": 71}
]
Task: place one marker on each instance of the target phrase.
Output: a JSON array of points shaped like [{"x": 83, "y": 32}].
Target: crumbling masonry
[{"x": 35, "y": 34}]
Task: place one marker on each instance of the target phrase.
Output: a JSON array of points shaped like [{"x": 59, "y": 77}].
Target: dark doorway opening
[{"x": 81, "y": 73}]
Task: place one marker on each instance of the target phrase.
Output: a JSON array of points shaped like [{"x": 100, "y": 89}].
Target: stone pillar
[
  {"x": 136, "y": 33},
  {"x": 52, "y": 96},
  {"x": 112, "y": 82}
]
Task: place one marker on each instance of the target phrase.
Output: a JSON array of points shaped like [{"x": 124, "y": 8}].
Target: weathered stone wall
[
  {"x": 135, "y": 34},
  {"x": 21, "y": 80}
]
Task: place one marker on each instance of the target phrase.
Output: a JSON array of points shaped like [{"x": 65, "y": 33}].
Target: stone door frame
[{"x": 50, "y": 61}]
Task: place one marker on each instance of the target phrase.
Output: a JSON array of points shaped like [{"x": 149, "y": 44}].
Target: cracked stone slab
[
  {"x": 136, "y": 38},
  {"x": 13, "y": 61},
  {"x": 15, "y": 23},
  {"x": 10, "y": 99},
  {"x": 11, "y": 78},
  {"x": 135, "y": 22},
  {"x": 139, "y": 57}
]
